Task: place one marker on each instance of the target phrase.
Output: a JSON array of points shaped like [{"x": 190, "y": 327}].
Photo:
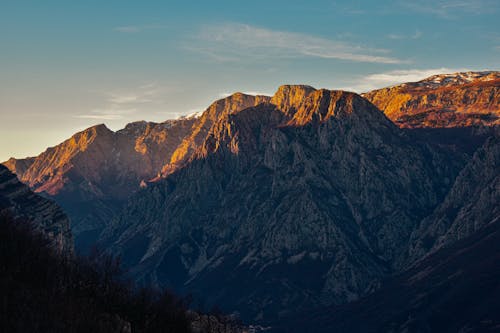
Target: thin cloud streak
[
  {"x": 390, "y": 78},
  {"x": 452, "y": 9},
  {"x": 118, "y": 104},
  {"x": 233, "y": 42},
  {"x": 99, "y": 116},
  {"x": 417, "y": 35},
  {"x": 111, "y": 113}
]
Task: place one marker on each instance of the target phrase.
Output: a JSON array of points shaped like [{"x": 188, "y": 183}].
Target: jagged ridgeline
[
  {"x": 270, "y": 205},
  {"x": 308, "y": 200},
  {"x": 446, "y": 100}
]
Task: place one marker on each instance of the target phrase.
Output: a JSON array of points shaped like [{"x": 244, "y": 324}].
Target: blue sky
[{"x": 66, "y": 65}]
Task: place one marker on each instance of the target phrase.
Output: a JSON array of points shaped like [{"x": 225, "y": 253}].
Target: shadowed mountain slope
[
  {"x": 267, "y": 205},
  {"x": 92, "y": 174},
  {"x": 309, "y": 199},
  {"x": 456, "y": 289},
  {"x": 18, "y": 201}
]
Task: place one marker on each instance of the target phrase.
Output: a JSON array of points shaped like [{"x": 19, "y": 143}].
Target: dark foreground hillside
[{"x": 42, "y": 292}]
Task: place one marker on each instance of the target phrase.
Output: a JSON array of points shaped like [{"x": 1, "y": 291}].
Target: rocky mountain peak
[
  {"x": 136, "y": 127},
  {"x": 288, "y": 98},
  {"x": 81, "y": 140},
  {"x": 234, "y": 103},
  {"x": 216, "y": 111},
  {"x": 442, "y": 101},
  {"x": 46, "y": 172},
  {"x": 455, "y": 79},
  {"x": 19, "y": 166},
  {"x": 315, "y": 180},
  {"x": 321, "y": 105}
]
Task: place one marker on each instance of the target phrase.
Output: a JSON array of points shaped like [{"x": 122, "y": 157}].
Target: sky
[{"x": 67, "y": 65}]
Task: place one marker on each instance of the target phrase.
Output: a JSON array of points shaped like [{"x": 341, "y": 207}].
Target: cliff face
[
  {"x": 195, "y": 138},
  {"x": 456, "y": 289},
  {"x": 308, "y": 199},
  {"x": 19, "y": 201},
  {"x": 448, "y": 100},
  {"x": 91, "y": 174},
  {"x": 471, "y": 204},
  {"x": 267, "y": 204},
  {"x": 94, "y": 172}
]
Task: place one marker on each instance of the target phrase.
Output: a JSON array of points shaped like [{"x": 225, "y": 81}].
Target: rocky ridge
[
  {"x": 259, "y": 190},
  {"x": 471, "y": 204},
  {"x": 92, "y": 174},
  {"x": 17, "y": 200},
  {"x": 309, "y": 182},
  {"x": 446, "y": 100}
]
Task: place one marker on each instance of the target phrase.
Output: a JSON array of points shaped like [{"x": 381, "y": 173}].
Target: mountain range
[{"x": 272, "y": 206}]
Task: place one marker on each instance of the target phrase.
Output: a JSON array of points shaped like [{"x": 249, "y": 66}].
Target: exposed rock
[
  {"x": 221, "y": 108},
  {"x": 312, "y": 204},
  {"x": 92, "y": 174},
  {"x": 456, "y": 289},
  {"x": 270, "y": 204},
  {"x": 19, "y": 166},
  {"x": 19, "y": 201},
  {"x": 95, "y": 171},
  {"x": 472, "y": 203},
  {"x": 447, "y": 100}
]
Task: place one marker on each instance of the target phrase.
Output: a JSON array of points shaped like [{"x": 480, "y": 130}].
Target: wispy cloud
[
  {"x": 138, "y": 28},
  {"x": 104, "y": 114},
  {"x": 384, "y": 79},
  {"x": 143, "y": 94},
  {"x": 417, "y": 35},
  {"x": 233, "y": 41},
  {"x": 119, "y": 104},
  {"x": 450, "y": 9}
]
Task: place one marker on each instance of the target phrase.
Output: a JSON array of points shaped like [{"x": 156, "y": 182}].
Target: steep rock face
[
  {"x": 472, "y": 203},
  {"x": 456, "y": 289},
  {"x": 304, "y": 200},
  {"x": 94, "y": 172},
  {"x": 448, "y": 100},
  {"x": 91, "y": 174},
  {"x": 17, "y": 199},
  {"x": 219, "y": 109}
]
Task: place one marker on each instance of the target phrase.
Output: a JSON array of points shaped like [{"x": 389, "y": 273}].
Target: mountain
[
  {"x": 471, "y": 204},
  {"x": 92, "y": 174},
  {"x": 456, "y": 289},
  {"x": 446, "y": 100},
  {"x": 18, "y": 201},
  {"x": 452, "y": 284},
  {"x": 271, "y": 206},
  {"x": 221, "y": 108},
  {"x": 95, "y": 172},
  {"x": 308, "y": 199},
  {"x": 45, "y": 288}
]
